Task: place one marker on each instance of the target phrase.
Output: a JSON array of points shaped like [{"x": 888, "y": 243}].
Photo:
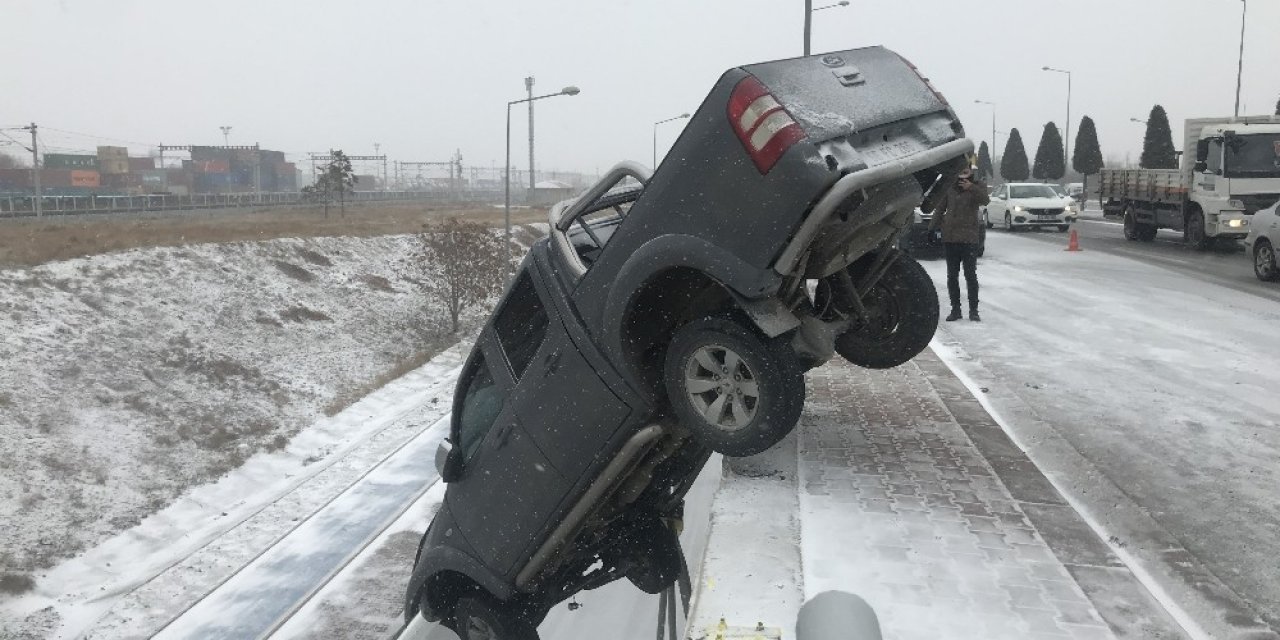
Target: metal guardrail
[{"x": 24, "y": 206}]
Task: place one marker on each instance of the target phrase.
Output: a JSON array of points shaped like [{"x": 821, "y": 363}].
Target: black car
[{"x": 671, "y": 315}]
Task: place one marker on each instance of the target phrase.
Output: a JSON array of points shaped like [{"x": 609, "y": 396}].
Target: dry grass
[
  {"x": 27, "y": 241},
  {"x": 348, "y": 397}
]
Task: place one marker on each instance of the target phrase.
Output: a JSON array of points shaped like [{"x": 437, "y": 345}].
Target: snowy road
[
  {"x": 1230, "y": 269},
  {"x": 1149, "y": 389}
]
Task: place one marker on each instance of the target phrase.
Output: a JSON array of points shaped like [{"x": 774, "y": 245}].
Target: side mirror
[
  {"x": 448, "y": 465},
  {"x": 1202, "y": 151},
  {"x": 1201, "y": 166}
]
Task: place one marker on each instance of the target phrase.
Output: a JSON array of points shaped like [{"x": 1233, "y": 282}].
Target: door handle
[
  {"x": 504, "y": 434},
  {"x": 552, "y": 362}
]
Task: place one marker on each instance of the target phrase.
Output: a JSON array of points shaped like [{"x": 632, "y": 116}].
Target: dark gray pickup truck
[{"x": 673, "y": 314}]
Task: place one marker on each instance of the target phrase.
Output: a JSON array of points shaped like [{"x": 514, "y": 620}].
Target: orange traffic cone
[{"x": 1074, "y": 243}]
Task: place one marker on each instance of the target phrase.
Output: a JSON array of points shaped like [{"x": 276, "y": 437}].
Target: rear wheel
[
  {"x": 1146, "y": 232},
  {"x": 1130, "y": 225},
  {"x": 986, "y": 219},
  {"x": 1264, "y": 262},
  {"x": 902, "y": 316},
  {"x": 737, "y": 391},
  {"x": 483, "y": 617}
]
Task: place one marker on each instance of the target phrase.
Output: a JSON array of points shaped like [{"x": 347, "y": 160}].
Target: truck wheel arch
[{"x": 672, "y": 279}]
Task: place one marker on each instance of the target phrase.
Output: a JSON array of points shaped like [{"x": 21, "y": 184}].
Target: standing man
[{"x": 957, "y": 218}]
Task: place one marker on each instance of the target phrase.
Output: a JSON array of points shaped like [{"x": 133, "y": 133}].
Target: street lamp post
[
  {"x": 1240, "y": 65},
  {"x": 655, "y": 136},
  {"x": 226, "y": 136},
  {"x": 506, "y": 171},
  {"x": 808, "y": 18},
  {"x": 993, "y": 122},
  {"x": 1138, "y": 120},
  {"x": 1066, "y": 144}
]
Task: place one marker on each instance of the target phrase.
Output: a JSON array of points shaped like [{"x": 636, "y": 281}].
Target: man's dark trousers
[{"x": 959, "y": 253}]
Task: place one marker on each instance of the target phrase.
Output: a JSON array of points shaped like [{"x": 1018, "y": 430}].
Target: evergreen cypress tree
[
  {"x": 1013, "y": 164},
  {"x": 1087, "y": 157},
  {"x": 1050, "y": 161},
  {"x": 985, "y": 170},
  {"x": 1157, "y": 146}
]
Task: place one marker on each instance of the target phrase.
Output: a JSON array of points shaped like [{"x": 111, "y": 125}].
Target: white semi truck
[{"x": 1230, "y": 169}]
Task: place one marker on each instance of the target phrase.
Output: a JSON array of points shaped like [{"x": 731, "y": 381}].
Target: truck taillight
[
  {"x": 927, "y": 82},
  {"x": 763, "y": 126}
]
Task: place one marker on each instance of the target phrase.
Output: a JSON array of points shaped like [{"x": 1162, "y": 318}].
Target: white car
[
  {"x": 1020, "y": 205},
  {"x": 1261, "y": 243}
]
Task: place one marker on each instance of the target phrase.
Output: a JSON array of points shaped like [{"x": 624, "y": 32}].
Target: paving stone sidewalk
[{"x": 912, "y": 497}]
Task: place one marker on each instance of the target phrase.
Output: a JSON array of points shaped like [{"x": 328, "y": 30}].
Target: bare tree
[
  {"x": 333, "y": 179},
  {"x": 464, "y": 264},
  {"x": 9, "y": 162}
]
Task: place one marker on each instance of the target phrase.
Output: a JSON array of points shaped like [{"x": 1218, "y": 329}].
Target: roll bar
[{"x": 564, "y": 213}]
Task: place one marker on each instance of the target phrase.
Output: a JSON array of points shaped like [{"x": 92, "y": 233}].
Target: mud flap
[{"x": 769, "y": 314}]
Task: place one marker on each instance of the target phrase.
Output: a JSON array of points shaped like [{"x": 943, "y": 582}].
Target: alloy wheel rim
[
  {"x": 1265, "y": 261},
  {"x": 721, "y": 387}
]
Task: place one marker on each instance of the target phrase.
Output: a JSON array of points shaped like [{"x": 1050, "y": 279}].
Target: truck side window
[
  {"x": 1214, "y": 161},
  {"x": 481, "y": 405},
  {"x": 521, "y": 325}
]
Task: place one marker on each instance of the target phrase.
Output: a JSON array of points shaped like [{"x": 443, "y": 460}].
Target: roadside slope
[{"x": 127, "y": 377}]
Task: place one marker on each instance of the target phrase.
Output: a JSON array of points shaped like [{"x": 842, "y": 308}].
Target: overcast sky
[{"x": 426, "y": 77}]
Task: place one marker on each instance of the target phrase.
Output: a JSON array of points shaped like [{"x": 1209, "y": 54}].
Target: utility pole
[
  {"x": 257, "y": 173},
  {"x": 226, "y": 135},
  {"x": 35, "y": 170},
  {"x": 377, "y": 148},
  {"x": 528, "y": 85},
  {"x": 808, "y": 23},
  {"x": 1240, "y": 65}
]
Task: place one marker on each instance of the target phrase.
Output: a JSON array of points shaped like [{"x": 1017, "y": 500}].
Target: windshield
[
  {"x": 1253, "y": 156},
  {"x": 1033, "y": 191}
]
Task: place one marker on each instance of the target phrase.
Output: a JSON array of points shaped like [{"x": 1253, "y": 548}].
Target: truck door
[
  {"x": 568, "y": 409},
  {"x": 508, "y": 489}
]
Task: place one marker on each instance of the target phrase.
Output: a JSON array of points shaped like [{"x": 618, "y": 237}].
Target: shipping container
[
  {"x": 113, "y": 153},
  {"x": 70, "y": 161},
  {"x": 154, "y": 179},
  {"x": 55, "y": 178},
  {"x": 113, "y": 166},
  {"x": 122, "y": 180},
  {"x": 84, "y": 178},
  {"x": 211, "y": 166},
  {"x": 15, "y": 179}
]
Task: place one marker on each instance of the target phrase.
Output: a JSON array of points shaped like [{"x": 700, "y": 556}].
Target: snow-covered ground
[
  {"x": 127, "y": 378},
  {"x": 1149, "y": 396}
]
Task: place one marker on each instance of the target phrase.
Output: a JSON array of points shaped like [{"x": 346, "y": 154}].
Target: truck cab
[
  {"x": 1235, "y": 172},
  {"x": 1230, "y": 169}
]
